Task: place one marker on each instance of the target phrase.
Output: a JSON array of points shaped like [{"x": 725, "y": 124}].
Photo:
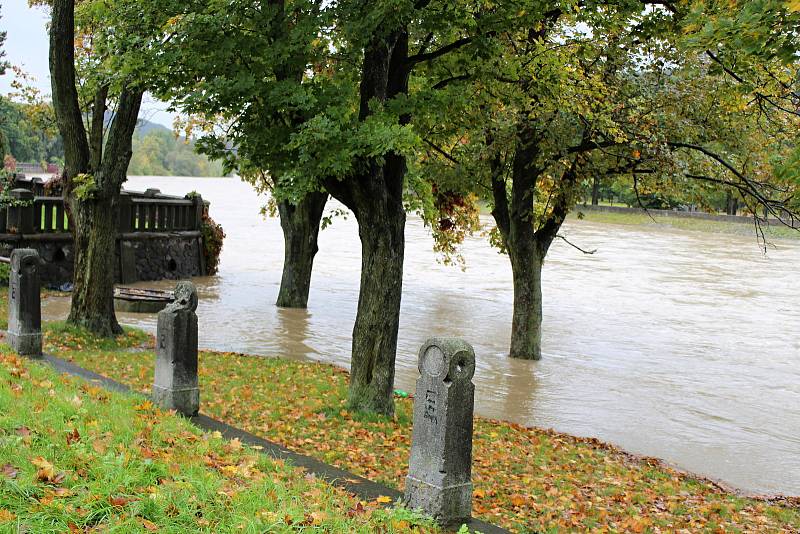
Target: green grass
[
  {"x": 696, "y": 225},
  {"x": 526, "y": 479},
  {"x": 74, "y": 457}
]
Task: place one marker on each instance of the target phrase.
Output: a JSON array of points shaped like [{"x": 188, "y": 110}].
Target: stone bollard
[
  {"x": 439, "y": 478},
  {"x": 24, "y": 303},
  {"x": 175, "y": 385}
]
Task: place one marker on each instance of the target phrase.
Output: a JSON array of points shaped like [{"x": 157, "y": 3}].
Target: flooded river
[{"x": 669, "y": 343}]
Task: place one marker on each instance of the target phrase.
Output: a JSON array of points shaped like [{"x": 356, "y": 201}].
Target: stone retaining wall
[{"x": 139, "y": 256}]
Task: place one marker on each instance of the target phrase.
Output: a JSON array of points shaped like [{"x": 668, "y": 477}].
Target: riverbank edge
[
  {"x": 778, "y": 499},
  {"x": 720, "y": 491}
]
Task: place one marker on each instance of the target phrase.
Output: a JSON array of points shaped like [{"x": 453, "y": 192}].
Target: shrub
[{"x": 213, "y": 236}]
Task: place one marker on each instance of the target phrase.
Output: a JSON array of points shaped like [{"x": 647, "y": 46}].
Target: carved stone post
[
  {"x": 439, "y": 478},
  {"x": 24, "y": 303},
  {"x": 175, "y": 386}
]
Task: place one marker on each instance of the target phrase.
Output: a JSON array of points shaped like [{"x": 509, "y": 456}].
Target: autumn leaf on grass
[
  {"x": 9, "y": 471},
  {"x": 121, "y": 501},
  {"x": 356, "y": 510},
  {"x": 73, "y": 437},
  {"x": 46, "y": 471},
  {"x": 6, "y": 516},
  {"x": 517, "y": 500},
  {"x": 149, "y": 525},
  {"x": 383, "y": 499},
  {"x": 144, "y": 407}
]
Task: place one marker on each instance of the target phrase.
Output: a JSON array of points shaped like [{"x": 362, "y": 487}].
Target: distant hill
[
  {"x": 156, "y": 152},
  {"x": 144, "y": 127}
]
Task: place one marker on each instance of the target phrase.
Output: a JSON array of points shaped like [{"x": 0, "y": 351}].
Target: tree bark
[
  {"x": 382, "y": 233},
  {"x": 595, "y": 191},
  {"x": 95, "y": 224},
  {"x": 300, "y": 224},
  {"x": 526, "y": 325}
]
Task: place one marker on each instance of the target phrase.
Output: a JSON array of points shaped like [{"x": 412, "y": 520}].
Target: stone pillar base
[
  {"x": 184, "y": 401},
  {"x": 26, "y": 344},
  {"x": 447, "y": 505}
]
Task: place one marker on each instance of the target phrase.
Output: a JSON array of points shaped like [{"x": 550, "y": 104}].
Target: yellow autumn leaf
[
  {"x": 6, "y": 516},
  {"x": 793, "y": 5},
  {"x": 46, "y": 470},
  {"x": 383, "y": 499}
]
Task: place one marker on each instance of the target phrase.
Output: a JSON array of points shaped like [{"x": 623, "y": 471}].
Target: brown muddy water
[{"x": 669, "y": 343}]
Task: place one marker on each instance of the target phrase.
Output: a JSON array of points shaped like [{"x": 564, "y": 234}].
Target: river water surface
[{"x": 669, "y": 343}]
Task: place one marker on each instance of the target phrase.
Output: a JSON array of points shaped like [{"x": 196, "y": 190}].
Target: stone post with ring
[{"x": 439, "y": 481}]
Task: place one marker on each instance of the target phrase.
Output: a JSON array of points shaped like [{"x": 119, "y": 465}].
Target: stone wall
[
  {"x": 160, "y": 256},
  {"x": 139, "y": 256}
]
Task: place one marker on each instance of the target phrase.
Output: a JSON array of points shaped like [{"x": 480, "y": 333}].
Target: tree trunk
[
  {"x": 526, "y": 325},
  {"x": 300, "y": 224},
  {"x": 595, "y": 191},
  {"x": 382, "y": 232},
  {"x": 95, "y": 231}
]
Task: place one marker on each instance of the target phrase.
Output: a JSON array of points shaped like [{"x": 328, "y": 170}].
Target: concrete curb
[{"x": 364, "y": 488}]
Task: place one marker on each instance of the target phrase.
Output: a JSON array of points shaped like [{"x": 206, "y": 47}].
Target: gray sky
[{"x": 26, "y": 46}]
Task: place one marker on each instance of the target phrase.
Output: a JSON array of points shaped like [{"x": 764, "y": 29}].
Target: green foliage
[
  {"x": 5, "y": 274},
  {"x": 84, "y": 187},
  {"x": 25, "y": 129},
  {"x": 159, "y": 153},
  {"x": 6, "y": 185},
  {"x": 213, "y": 237}
]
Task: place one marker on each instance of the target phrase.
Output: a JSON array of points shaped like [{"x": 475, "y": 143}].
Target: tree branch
[{"x": 428, "y": 56}]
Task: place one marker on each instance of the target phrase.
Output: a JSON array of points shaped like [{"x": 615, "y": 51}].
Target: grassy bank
[
  {"x": 75, "y": 458},
  {"x": 696, "y": 225},
  {"x": 525, "y": 479}
]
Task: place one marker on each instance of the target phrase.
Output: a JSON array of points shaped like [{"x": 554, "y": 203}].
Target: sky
[{"x": 26, "y": 46}]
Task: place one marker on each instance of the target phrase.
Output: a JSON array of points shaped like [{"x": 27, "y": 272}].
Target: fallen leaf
[
  {"x": 46, "y": 472},
  {"x": 149, "y": 525},
  {"x": 73, "y": 437},
  {"x": 9, "y": 471},
  {"x": 383, "y": 499},
  {"x": 121, "y": 501},
  {"x": 6, "y": 516}
]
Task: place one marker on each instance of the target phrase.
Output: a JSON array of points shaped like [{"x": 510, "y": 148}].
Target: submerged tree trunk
[
  {"x": 526, "y": 244},
  {"x": 382, "y": 233},
  {"x": 526, "y": 325},
  {"x": 300, "y": 224}
]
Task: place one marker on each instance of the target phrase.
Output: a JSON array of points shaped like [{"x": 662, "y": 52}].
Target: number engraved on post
[{"x": 430, "y": 406}]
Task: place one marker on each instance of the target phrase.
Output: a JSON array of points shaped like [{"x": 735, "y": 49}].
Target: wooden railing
[{"x": 138, "y": 212}]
